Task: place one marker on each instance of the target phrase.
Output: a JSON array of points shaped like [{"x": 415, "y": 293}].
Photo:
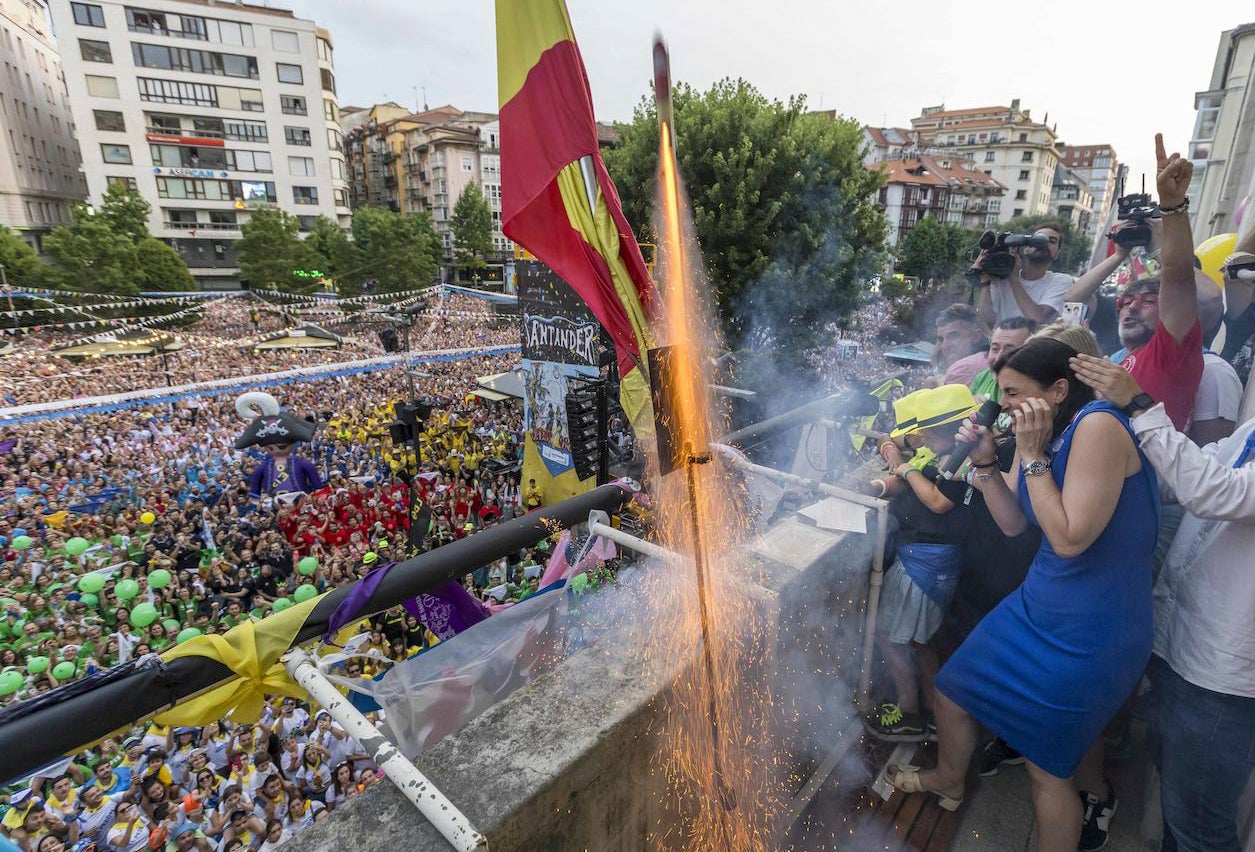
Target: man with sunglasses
[{"x": 1158, "y": 306}]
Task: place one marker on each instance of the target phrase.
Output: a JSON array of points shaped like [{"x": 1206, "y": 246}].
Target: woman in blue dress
[{"x": 1049, "y": 666}]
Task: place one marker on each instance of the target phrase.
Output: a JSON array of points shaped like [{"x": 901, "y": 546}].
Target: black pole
[
  {"x": 603, "y": 433},
  {"x": 58, "y": 728}
]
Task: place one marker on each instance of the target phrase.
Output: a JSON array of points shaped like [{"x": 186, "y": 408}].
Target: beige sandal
[{"x": 906, "y": 779}]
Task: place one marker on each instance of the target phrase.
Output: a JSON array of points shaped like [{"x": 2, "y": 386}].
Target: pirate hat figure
[{"x": 280, "y": 473}]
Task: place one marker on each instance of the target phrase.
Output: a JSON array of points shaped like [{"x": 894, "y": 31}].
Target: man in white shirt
[
  {"x": 1203, "y": 669},
  {"x": 1032, "y": 290}
]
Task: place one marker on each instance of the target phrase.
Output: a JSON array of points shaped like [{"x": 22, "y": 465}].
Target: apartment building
[
  {"x": 412, "y": 162},
  {"x": 40, "y": 179},
  {"x": 1098, "y": 167},
  {"x": 1072, "y": 201},
  {"x": 1222, "y": 146},
  {"x": 1006, "y": 144},
  {"x": 209, "y": 109}
]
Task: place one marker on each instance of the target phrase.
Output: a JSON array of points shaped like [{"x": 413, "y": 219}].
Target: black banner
[{"x": 557, "y": 325}]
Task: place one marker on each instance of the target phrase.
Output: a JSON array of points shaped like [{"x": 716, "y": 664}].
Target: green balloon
[
  {"x": 280, "y": 604},
  {"x": 159, "y": 579},
  {"x": 77, "y": 546},
  {"x": 307, "y": 566},
  {"x": 63, "y": 670},
  {"x": 304, "y": 592},
  {"x": 10, "y": 682},
  {"x": 171, "y": 625},
  {"x": 22, "y": 542},
  {"x": 143, "y": 615},
  {"x": 91, "y": 583},
  {"x": 35, "y": 665},
  {"x": 126, "y": 589},
  {"x": 187, "y": 633},
  {"x": 90, "y": 600}
]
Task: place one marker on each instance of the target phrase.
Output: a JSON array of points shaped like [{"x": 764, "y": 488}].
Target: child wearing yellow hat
[{"x": 931, "y": 515}]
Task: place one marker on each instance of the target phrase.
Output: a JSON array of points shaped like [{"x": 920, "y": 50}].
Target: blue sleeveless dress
[{"x": 1053, "y": 662}]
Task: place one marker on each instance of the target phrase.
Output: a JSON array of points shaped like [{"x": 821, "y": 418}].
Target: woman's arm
[
  {"x": 927, "y": 492},
  {"x": 997, "y": 488},
  {"x": 1072, "y": 519}
]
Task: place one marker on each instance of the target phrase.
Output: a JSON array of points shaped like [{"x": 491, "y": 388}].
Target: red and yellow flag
[{"x": 573, "y": 225}]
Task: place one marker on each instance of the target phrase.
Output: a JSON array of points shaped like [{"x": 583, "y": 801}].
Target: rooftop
[{"x": 230, "y": 5}]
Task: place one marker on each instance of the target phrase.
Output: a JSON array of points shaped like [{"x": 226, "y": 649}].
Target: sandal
[{"x": 906, "y": 779}]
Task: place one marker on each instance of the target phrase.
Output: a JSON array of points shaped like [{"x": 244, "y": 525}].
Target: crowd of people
[
  {"x": 219, "y": 344},
  {"x": 1044, "y": 595},
  {"x": 125, "y": 533}
]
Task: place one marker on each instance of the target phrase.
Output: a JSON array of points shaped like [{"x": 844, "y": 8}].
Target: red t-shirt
[{"x": 1170, "y": 371}]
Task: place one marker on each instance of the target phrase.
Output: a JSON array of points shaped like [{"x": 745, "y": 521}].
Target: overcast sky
[{"x": 1101, "y": 71}]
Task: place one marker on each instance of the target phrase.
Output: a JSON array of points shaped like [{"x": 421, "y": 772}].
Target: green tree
[
  {"x": 271, "y": 252},
  {"x": 471, "y": 225},
  {"x": 391, "y": 252},
  {"x": 22, "y": 266},
  {"x": 782, "y": 207},
  {"x": 1075, "y": 251},
  {"x": 159, "y": 268},
  {"x": 126, "y": 212},
  {"x": 934, "y": 249},
  {"x": 88, "y": 255}
]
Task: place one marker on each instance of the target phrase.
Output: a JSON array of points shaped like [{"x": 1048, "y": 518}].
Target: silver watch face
[{"x": 1036, "y": 468}]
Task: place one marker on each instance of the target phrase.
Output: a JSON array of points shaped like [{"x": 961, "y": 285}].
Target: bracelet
[
  {"x": 1183, "y": 207},
  {"x": 884, "y": 488},
  {"x": 993, "y": 463}
]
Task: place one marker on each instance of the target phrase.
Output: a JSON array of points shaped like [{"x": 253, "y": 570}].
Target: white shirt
[
  {"x": 1219, "y": 393},
  {"x": 1205, "y": 597},
  {"x": 1050, "y": 290}
]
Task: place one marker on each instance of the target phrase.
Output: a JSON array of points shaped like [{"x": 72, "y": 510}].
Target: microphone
[{"x": 985, "y": 416}]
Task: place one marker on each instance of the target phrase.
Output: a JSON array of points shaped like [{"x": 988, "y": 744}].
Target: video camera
[
  {"x": 999, "y": 259},
  {"x": 1138, "y": 209}
]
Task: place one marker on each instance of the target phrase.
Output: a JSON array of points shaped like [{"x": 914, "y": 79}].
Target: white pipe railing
[
  {"x": 631, "y": 542},
  {"x": 413, "y": 784},
  {"x": 876, "y": 578}
]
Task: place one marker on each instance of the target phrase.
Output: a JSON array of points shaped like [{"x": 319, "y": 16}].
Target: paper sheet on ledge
[{"x": 833, "y": 513}]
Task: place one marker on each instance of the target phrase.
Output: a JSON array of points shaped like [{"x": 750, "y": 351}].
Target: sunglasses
[{"x": 1150, "y": 300}]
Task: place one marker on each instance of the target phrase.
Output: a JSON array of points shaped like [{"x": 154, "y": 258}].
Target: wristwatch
[
  {"x": 1139, "y": 403},
  {"x": 1036, "y": 467}
]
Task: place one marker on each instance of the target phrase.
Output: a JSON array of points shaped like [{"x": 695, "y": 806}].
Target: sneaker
[
  {"x": 1097, "y": 823},
  {"x": 993, "y": 755},
  {"x": 889, "y": 724}
]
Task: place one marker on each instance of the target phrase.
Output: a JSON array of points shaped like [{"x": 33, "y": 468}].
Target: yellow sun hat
[
  {"x": 943, "y": 405},
  {"x": 904, "y": 412}
]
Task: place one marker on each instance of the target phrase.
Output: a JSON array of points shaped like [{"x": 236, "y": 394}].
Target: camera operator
[{"x": 1031, "y": 291}]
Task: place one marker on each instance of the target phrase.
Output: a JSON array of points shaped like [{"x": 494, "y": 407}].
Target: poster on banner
[{"x": 562, "y": 343}]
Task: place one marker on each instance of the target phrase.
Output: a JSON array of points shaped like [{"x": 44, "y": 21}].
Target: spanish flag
[{"x": 557, "y": 199}]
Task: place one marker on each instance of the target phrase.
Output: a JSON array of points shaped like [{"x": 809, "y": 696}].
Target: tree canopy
[
  {"x": 783, "y": 209},
  {"x": 22, "y": 266},
  {"x": 934, "y": 249},
  {"x": 109, "y": 250},
  {"x": 390, "y": 252},
  {"x": 272, "y": 254},
  {"x": 471, "y": 225}
]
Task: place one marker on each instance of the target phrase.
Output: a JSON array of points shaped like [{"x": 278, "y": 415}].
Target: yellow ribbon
[{"x": 251, "y": 650}]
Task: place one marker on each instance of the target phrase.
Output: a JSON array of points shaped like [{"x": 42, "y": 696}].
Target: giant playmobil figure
[{"x": 277, "y": 432}]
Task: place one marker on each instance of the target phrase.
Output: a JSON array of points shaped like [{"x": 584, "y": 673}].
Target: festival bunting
[{"x": 576, "y": 229}]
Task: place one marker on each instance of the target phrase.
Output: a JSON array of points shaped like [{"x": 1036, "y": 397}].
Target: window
[
  {"x": 115, "y": 153},
  {"x": 301, "y": 166},
  {"x": 335, "y": 141},
  {"x": 285, "y": 41},
  {"x": 329, "y": 111},
  {"x": 94, "y": 51},
  {"x": 194, "y": 61},
  {"x": 989, "y": 156},
  {"x": 468, "y": 164},
  {"x": 328, "y": 80},
  {"x": 289, "y": 73},
  {"x": 88, "y": 14},
  {"x": 292, "y": 105},
  {"x": 1021, "y": 194},
  {"x": 1023, "y": 174},
  {"x": 297, "y": 136},
  {"x": 102, "y": 87},
  {"x": 223, "y": 217},
  {"x": 305, "y": 223},
  {"x": 324, "y": 50},
  {"x": 123, "y": 182},
  {"x": 109, "y": 120},
  {"x": 1208, "y": 116},
  {"x": 172, "y": 92},
  {"x": 305, "y": 194},
  {"x": 1023, "y": 137},
  {"x": 1026, "y": 157},
  {"x": 1019, "y": 211}
]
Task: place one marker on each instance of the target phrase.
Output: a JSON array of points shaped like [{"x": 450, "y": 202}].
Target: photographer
[{"x": 1032, "y": 290}]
